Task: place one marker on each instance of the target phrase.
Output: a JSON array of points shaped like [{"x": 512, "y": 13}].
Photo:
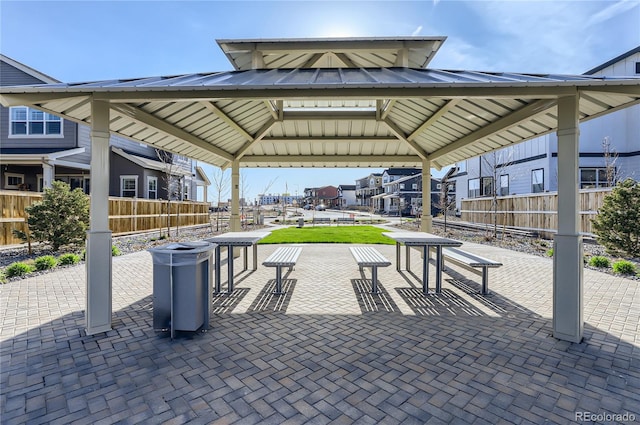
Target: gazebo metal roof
[
  {"x": 332, "y": 117},
  {"x": 415, "y": 52}
]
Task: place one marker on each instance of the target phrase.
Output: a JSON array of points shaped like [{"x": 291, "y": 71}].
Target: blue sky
[{"x": 94, "y": 40}]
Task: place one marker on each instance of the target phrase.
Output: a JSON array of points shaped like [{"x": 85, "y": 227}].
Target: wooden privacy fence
[
  {"x": 533, "y": 211},
  {"x": 126, "y": 215}
]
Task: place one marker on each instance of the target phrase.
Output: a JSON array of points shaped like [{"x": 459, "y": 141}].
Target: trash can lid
[{"x": 195, "y": 246}]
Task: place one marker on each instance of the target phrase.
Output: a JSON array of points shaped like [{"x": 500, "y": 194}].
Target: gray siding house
[
  {"x": 37, "y": 148},
  {"x": 367, "y": 188},
  {"x": 403, "y": 196},
  {"x": 532, "y": 166}
]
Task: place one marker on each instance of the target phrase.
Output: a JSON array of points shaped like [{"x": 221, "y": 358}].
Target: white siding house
[{"x": 532, "y": 166}]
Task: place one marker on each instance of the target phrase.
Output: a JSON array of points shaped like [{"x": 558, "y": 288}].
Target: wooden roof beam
[
  {"x": 401, "y": 136},
  {"x": 435, "y": 117},
  {"x": 224, "y": 117},
  {"x": 145, "y": 118},
  {"x": 504, "y": 123}
]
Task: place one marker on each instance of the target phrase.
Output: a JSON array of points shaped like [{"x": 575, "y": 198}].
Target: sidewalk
[{"x": 325, "y": 352}]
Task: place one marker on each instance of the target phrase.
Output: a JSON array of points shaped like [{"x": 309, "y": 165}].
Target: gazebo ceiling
[{"x": 344, "y": 116}]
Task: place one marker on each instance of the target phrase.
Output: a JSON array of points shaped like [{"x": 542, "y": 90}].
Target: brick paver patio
[{"x": 325, "y": 352}]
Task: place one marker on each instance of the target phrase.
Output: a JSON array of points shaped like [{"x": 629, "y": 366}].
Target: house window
[
  {"x": 504, "y": 185},
  {"x": 487, "y": 186},
  {"x": 451, "y": 186},
  {"x": 414, "y": 186},
  {"x": 537, "y": 180},
  {"x": 637, "y": 67},
  {"x": 594, "y": 177},
  {"x": 402, "y": 186},
  {"x": 13, "y": 181},
  {"x": 152, "y": 188},
  {"x": 74, "y": 182},
  {"x": 185, "y": 192},
  {"x": 474, "y": 188},
  {"x": 27, "y": 122},
  {"x": 128, "y": 186}
]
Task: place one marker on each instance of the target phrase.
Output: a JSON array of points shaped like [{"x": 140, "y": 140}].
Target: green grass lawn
[{"x": 328, "y": 234}]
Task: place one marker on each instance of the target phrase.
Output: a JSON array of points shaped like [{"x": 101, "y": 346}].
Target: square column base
[
  {"x": 568, "y": 270},
  {"x": 426, "y": 223},
  {"x": 99, "y": 292}
]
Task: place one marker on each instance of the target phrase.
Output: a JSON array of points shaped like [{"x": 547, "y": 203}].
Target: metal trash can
[
  {"x": 182, "y": 292},
  {"x": 300, "y": 221}
]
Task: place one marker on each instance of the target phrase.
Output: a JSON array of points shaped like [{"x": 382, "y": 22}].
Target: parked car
[
  {"x": 407, "y": 211},
  {"x": 218, "y": 209},
  {"x": 320, "y": 207},
  {"x": 308, "y": 207}
]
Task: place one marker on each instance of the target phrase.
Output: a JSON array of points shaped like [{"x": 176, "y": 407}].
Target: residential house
[
  {"x": 403, "y": 196},
  {"x": 609, "y": 152},
  {"x": 346, "y": 195},
  {"x": 273, "y": 199},
  {"x": 390, "y": 175},
  {"x": 325, "y": 195},
  {"x": 37, "y": 148},
  {"x": 367, "y": 188}
]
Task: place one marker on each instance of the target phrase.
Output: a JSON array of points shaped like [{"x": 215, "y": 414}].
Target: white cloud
[
  {"x": 546, "y": 36},
  {"x": 417, "y": 31},
  {"x": 458, "y": 54},
  {"x": 615, "y": 9}
]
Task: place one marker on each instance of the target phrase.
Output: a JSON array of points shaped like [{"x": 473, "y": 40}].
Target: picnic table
[
  {"x": 232, "y": 240},
  {"x": 423, "y": 241}
]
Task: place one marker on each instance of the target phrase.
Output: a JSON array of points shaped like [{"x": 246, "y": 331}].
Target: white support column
[
  {"x": 98, "y": 261},
  {"x": 235, "y": 196},
  {"x": 426, "y": 219},
  {"x": 48, "y": 175},
  {"x": 568, "y": 319}
]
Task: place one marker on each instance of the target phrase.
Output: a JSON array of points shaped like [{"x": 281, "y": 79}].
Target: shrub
[
  {"x": 68, "y": 259},
  {"x": 599, "y": 261},
  {"x": 18, "y": 269},
  {"x": 549, "y": 252},
  {"x": 624, "y": 267},
  {"x": 45, "y": 262},
  {"x": 616, "y": 225},
  {"x": 61, "y": 218},
  {"x": 115, "y": 251},
  {"x": 3, "y": 277}
]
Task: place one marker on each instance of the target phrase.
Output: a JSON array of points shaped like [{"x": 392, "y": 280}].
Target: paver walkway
[{"x": 326, "y": 352}]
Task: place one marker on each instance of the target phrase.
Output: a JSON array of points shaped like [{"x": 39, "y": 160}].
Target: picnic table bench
[
  {"x": 351, "y": 220},
  {"x": 282, "y": 257},
  {"x": 321, "y": 220},
  {"x": 370, "y": 257},
  {"x": 471, "y": 262}
]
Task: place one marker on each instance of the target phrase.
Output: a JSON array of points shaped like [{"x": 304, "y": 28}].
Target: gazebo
[{"x": 355, "y": 102}]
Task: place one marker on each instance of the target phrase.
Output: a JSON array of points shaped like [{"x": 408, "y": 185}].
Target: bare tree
[
  {"x": 610, "y": 160},
  {"x": 244, "y": 187},
  {"x": 446, "y": 201},
  {"x": 222, "y": 185},
  {"x": 169, "y": 183},
  {"x": 265, "y": 190},
  {"x": 497, "y": 163},
  {"x": 284, "y": 203}
]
